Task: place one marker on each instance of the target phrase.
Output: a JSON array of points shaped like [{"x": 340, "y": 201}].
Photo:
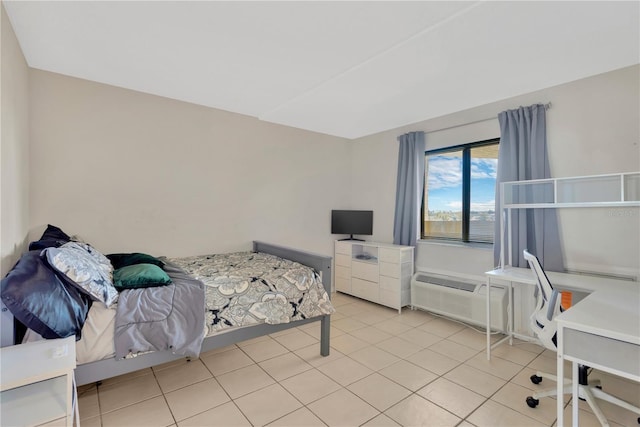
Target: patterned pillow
[
  {"x": 101, "y": 259},
  {"x": 85, "y": 267}
]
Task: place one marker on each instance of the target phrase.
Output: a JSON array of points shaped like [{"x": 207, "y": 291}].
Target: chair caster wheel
[
  {"x": 535, "y": 379},
  {"x": 532, "y": 402}
]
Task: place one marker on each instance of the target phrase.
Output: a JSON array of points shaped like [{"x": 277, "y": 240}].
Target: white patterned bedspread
[{"x": 247, "y": 288}]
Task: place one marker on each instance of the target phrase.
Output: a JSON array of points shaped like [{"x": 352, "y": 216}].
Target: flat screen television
[{"x": 352, "y": 222}]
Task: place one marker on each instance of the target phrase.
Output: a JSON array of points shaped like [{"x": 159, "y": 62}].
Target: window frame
[{"x": 466, "y": 188}]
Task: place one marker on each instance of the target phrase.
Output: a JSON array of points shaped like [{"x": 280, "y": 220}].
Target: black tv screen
[{"x": 352, "y": 222}]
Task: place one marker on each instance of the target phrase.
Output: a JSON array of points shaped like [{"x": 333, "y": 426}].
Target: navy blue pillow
[
  {"x": 40, "y": 300},
  {"x": 52, "y": 237}
]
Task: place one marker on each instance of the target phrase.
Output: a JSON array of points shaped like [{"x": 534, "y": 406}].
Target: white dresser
[{"x": 377, "y": 272}]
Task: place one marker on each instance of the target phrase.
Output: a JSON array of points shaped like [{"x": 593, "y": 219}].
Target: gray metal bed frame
[{"x": 95, "y": 371}]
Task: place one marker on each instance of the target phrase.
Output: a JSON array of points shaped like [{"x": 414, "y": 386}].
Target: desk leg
[
  {"x": 510, "y": 313},
  {"x": 488, "y": 318},
  {"x": 574, "y": 389},
  {"x": 560, "y": 382}
]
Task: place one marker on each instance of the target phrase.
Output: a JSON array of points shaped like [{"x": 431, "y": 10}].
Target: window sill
[{"x": 439, "y": 242}]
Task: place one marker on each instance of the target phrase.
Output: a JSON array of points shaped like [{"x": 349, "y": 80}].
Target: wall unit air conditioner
[{"x": 461, "y": 299}]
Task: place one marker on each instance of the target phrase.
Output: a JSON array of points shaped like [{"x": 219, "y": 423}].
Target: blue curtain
[
  {"x": 409, "y": 187},
  {"x": 523, "y": 156}
]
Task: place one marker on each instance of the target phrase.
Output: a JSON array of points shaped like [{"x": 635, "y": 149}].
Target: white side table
[{"x": 36, "y": 382}]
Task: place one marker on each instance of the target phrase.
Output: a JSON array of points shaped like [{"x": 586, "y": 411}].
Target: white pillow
[{"x": 86, "y": 268}]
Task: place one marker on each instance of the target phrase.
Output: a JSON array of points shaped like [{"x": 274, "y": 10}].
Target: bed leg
[{"x": 325, "y": 327}]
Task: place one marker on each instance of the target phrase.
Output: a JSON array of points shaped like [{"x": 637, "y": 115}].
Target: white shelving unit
[
  {"x": 592, "y": 191},
  {"x": 36, "y": 382},
  {"x": 377, "y": 272}
]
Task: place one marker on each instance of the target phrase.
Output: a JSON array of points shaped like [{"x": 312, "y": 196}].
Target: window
[{"x": 459, "y": 192}]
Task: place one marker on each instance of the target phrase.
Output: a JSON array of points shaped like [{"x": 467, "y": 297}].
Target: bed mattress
[{"x": 248, "y": 288}]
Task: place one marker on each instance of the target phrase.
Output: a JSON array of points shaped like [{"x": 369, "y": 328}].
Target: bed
[{"x": 106, "y": 368}]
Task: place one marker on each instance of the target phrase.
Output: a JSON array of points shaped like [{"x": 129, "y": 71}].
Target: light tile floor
[{"x": 384, "y": 369}]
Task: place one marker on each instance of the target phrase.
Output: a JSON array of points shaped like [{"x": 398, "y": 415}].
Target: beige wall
[
  {"x": 14, "y": 148},
  {"x": 128, "y": 171},
  {"x": 593, "y": 127}
]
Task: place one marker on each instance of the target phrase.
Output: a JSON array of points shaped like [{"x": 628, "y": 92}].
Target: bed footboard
[{"x": 321, "y": 263}]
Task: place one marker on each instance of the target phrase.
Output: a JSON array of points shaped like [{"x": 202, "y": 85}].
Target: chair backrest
[{"x": 547, "y": 304}]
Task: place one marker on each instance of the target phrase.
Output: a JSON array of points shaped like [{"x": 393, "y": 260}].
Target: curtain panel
[
  {"x": 409, "y": 187},
  {"x": 523, "y": 156}
]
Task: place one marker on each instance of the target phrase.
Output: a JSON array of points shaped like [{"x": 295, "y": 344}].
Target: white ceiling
[{"x": 342, "y": 68}]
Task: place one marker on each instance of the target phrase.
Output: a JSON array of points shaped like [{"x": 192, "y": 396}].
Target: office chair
[{"x": 544, "y": 326}]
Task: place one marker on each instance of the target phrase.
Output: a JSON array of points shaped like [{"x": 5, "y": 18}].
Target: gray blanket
[{"x": 161, "y": 318}]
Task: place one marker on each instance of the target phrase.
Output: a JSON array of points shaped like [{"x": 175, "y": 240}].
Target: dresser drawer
[
  {"x": 364, "y": 289},
  {"x": 389, "y": 269},
  {"x": 394, "y": 255},
  {"x": 390, "y": 298},
  {"x": 365, "y": 270},
  {"x": 389, "y": 255},
  {"x": 343, "y": 271},
  {"x": 343, "y": 260},
  {"x": 343, "y": 284},
  {"x": 396, "y": 270},
  {"x": 389, "y": 283},
  {"x": 343, "y": 248}
]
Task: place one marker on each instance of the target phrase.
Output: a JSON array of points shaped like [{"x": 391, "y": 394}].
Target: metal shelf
[
  {"x": 590, "y": 191},
  {"x": 622, "y": 189}
]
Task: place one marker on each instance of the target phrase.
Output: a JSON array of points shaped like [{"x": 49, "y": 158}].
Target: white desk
[
  {"x": 560, "y": 281},
  {"x": 601, "y": 331}
]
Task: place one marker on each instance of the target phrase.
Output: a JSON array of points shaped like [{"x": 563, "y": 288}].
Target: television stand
[
  {"x": 351, "y": 238},
  {"x": 377, "y": 272}
]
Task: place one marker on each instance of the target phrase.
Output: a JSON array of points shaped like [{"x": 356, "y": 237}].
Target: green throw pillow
[
  {"x": 140, "y": 276},
  {"x": 123, "y": 260}
]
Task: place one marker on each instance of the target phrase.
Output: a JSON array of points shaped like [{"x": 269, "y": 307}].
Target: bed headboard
[{"x": 321, "y": 263}]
